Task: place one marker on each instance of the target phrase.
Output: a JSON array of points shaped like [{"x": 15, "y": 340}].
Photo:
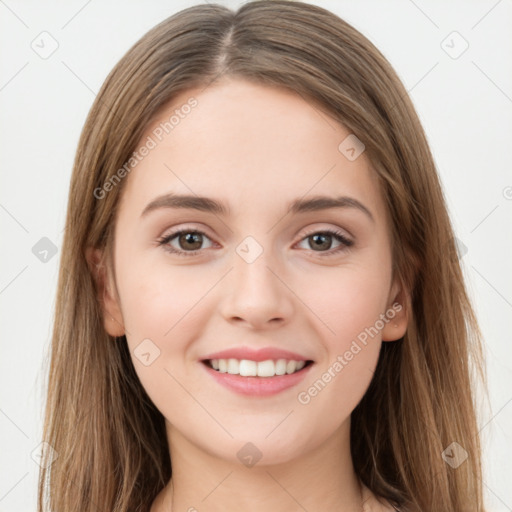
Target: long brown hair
[{"x": 109, "y": 437}]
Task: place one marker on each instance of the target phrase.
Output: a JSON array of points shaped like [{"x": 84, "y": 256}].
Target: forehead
[{"x": 251, "y": 146}]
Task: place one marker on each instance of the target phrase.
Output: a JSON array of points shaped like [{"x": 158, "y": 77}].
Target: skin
[{"x": 256, "y": 148}]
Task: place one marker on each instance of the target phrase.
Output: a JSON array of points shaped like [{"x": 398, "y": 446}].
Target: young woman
[{"x": 260, "y": 304}]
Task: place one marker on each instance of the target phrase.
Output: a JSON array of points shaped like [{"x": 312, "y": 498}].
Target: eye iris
[
  {"x": 191, "y": 238},
  {"x": 324, "y": 245}
]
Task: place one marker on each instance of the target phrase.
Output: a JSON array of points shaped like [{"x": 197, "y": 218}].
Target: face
[{"x": 254, "y": 278}]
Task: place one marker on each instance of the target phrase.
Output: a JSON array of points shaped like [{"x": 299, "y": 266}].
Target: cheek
[
  {"x": 164, "y": 309},
  {"x": 160, "y": 309},
  {"x": 158, "y": 301},
  {"x": 347, "y": 301},
  {"x": 350, "y": 303}
]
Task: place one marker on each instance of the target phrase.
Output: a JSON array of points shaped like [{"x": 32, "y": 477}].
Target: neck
[{"x": 322, "y": 479}]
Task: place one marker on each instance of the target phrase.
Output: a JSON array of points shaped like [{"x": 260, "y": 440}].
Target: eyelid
[
  {"x": 186, "y": 227},
  {"x": 331, "y": 230},
  {"x": 345, "y": 242},
  {"x": 166, "y": 238}
]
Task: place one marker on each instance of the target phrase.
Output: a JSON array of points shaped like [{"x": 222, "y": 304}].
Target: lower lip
[{"x": 258, "y": 386}]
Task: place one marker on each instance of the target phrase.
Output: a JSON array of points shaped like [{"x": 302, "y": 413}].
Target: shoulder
[{"x": 372, "y": 504}]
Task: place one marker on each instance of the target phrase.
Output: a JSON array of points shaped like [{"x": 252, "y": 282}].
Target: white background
[{"x": 465, "y": 105}]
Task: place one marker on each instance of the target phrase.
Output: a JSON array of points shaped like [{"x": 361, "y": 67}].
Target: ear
[
  {"x": 397, "y": 312},
  {"x": 107, "y": 297}
]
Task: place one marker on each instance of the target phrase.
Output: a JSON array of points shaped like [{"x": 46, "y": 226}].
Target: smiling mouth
[{"x": 248, "y": 368}]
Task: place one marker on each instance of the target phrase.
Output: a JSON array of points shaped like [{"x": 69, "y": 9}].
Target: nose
[{"x": 256, "y": 294}]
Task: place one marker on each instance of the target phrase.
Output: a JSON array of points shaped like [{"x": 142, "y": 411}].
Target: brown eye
[
  {"x": 186, "y": 242},
  {"x": 190, "y": 240},
  {"x": 321, "y": 241}
]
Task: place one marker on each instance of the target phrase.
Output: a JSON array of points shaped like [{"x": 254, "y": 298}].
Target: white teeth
[
  {"x": 266, "y": 368},
  {"x": 280, "y": 366},
  {"x": 233, "y": 366},
  {"x": 248, "y": 368}
]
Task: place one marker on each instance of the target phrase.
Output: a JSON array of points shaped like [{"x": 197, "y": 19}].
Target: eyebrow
[{"x": 206, "y": 204}]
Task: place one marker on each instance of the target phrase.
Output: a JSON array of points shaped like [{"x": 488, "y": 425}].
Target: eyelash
[{"x": 340, "y": 237}]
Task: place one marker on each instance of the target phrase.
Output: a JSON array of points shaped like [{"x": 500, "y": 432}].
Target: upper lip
[{"x": 261, "y": 354}]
